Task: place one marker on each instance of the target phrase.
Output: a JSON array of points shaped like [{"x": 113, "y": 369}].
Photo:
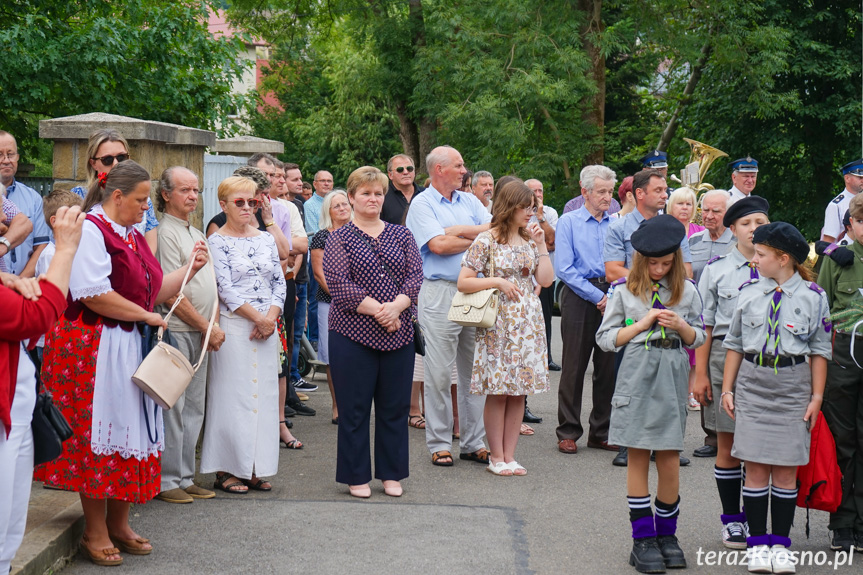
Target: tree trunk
[
  {"x": 427, "y": 141},
  {"x": 694, "y": 77},
  {"x": 409, "y": 133},
  {"x": 425, "y": 126},
  {"x": 595, "y": 105}
]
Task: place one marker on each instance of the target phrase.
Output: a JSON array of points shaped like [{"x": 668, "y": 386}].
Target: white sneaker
[
  {"x": 759, "y": 559},
  {"x": 693, "y": 403},
  {"x": 734, "y": 535},
  {"x": 782, "y": 560}
]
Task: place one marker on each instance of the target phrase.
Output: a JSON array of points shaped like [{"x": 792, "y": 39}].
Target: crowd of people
[{"x": 723, "y": 316}]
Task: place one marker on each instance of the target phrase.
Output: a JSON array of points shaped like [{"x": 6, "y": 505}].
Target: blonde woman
[{"x": 681, "y": 204}]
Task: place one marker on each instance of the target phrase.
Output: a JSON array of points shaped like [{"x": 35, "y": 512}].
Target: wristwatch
[{"x": 6, "y": 243}]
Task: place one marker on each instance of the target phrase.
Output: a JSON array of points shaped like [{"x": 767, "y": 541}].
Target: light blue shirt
[
  {"x": 428, "y": 215},
  {"x": 312, "y": 209},
  {"x": 29, "y": 202},
  {"x": 618, "y": 248},
  {"x": 579, "y": 242}
]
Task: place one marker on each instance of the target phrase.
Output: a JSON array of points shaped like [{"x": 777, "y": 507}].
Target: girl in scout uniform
[
  {"x": 654, "y": 315},
  {"x": 780, "y": 319},
  {"x": 719, "y": 286}
]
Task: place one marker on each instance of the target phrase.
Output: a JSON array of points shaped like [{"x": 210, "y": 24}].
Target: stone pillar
[
  {"x": 246, "y": 146},
  {"x": 154, "y": 145}
]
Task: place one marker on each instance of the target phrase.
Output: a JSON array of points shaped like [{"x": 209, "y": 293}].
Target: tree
[{"x": 152, "y": 59}]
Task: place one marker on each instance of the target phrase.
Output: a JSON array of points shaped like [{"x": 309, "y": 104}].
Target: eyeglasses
[
  {"x": 529, "y": 209},
  {"x": 10, "y": 156},
  {"x": 109, "y": 160},
  {"x": 407, "y": 169},
  {"x": 253, "y": 203}
]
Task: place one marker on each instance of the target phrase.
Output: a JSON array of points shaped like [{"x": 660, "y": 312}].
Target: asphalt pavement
[{"x": 568, "y": 514}]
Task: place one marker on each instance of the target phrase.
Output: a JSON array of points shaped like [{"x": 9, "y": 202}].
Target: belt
[
  {"x": 768, "y": 360},
  {"x": 669, "y": 343},
  {"x": 719, "y": 337},
  {"x": 599, "y": 280}
]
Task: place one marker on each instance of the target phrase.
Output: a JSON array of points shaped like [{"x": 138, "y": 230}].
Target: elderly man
[
  {"x": 482, "y": 185},
  {"x": 578, "y": 201},
  {"x": 402, "y": 189},
  {"x": 834, "y": 229},
  {"x": 178, "y": 197},
  {"x": 715, "y": 239},
  {"x": 579, "y": 265},
  {"x": 21, "y": 260},
  {"x": 744, "y": 176},
  {"x": 650, "y": 193},
  {"x": 445, "y": 222}
]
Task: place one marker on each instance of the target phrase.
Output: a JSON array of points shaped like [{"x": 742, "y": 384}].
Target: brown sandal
[
  {"x": 420, "y": 422},
  {"x": 437, "y": 456},
  {"x": 100, "y": 556},
  {"x": 132, "y": 546}
]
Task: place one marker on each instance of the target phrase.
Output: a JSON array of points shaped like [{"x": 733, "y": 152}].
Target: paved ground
[{"x": 568, "y": 514}]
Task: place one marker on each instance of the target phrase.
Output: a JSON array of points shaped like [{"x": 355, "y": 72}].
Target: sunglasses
[
  {"x": 407, "y": 169},
  {"x": 253, "y": 203},
  {"x": 109, "y": 160}
]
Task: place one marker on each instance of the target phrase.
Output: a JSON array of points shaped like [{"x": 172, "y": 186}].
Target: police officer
[
  {"x": 744, "y": 176},
  {"x": 852, "y": 172},
  {"x": 656, "y": 160},
  {"x": 842, "y": 396},
  {"x": 719, "y": 287}
]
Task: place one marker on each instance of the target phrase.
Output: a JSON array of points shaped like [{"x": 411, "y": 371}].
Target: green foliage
[{"x": 152, "y": 59}]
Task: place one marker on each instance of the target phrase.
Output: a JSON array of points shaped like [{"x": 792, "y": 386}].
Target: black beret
[
  {"x": 846, "y": 219},
  {"x": 742, "y": 208},
  {"x": 658, "y": 236},
  {"x": 784, "y": 237}
]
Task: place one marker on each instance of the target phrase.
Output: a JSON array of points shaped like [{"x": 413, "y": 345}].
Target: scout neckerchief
[
  {"x": 656, "y": 303},
  {"x": 773, "y": 329},
  {"x": 753, "y": 271}
]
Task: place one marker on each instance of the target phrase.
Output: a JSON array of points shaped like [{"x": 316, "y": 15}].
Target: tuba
[{"x": 700, "y": 159}]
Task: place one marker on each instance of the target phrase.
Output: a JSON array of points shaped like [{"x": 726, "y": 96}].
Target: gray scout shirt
[
  {"x": 618, "y": 247},
  {"x": 624, "y": 305},
  {"x": 720, "y": 285},
  {"x": 803, "y": 327},
  {"x": 704, "y": 249}
]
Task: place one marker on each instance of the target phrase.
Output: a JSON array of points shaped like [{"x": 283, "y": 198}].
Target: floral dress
[{"x": 510, "y": 358}]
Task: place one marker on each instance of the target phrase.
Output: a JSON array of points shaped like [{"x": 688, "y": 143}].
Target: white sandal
[
  {"x": 499, "y": 468},
  {"x": 515, "y": 468}
]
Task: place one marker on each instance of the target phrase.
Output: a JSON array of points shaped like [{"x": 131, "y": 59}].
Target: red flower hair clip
[{"x": 102, "y": 178}]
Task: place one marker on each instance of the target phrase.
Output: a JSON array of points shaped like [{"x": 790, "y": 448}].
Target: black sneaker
[
  {"x": 843, "y": 539},
  {"x": 671, "y": 552},
  {"x": 289, "y": 411},
  {"x": 304, "y": 385},
  {"x": 300, "y": 407},
  {"x": 858, "y": 541},
  {"x": 622, "y": 458},
  {"x": 646, "y": 556}
]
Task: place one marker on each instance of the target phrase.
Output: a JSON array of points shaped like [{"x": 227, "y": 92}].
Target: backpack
[{"x": 820, "y": 481}]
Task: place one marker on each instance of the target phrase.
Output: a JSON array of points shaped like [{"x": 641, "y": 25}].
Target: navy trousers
[{"x": 362, "y": 375}]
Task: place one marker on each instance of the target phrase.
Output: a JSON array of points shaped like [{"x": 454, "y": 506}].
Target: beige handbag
[
  {"x": 166, "y": 373},
  {"x": 478, "y": 309}
]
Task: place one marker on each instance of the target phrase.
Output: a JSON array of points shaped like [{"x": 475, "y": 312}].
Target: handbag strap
[{"x": 180, "y": 298}]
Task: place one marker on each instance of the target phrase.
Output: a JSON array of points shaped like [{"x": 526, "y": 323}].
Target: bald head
[
  {"x": 323, "y": 183},
  {"x": 178, "y": 192},
  {"x": 446, "y": 169}
]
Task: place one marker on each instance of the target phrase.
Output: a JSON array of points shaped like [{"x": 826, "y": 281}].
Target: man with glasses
[
  {"x": 402, "y": 189},
  {"x": 22, "y": 259},
  {"x": 744, "y": 176}
]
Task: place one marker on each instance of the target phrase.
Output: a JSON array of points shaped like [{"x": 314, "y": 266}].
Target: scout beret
[
  {"x": 746, "y": 206},
  {"x": 655, "y": 159},
  {"x": 746, "y": 164},
  {"x": 854, "y": 168},
  {"x": 846, "y": 219},
  {"x": 783, "y": 237},
  {"x": 658, "y": 236}
]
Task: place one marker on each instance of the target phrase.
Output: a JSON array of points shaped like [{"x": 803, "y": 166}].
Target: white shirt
[
  {"x": 834, "y": 213},
  {"x": 735, "y": 195}
]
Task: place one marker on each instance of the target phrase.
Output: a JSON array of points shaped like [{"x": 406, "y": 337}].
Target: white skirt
[{"x": 241, "y": 434}]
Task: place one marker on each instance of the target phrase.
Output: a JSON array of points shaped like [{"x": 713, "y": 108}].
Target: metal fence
[
  {"x": 216, "y": 169},
  {"x": 41, "y": 185}
]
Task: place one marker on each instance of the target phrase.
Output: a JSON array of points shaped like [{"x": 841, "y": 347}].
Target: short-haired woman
[
  {"x": 105, "y": 149},
  {"x": 626, "y": 197},
  {"x": 240, "y": 438},
  {"x": 373, "y": 271},
  {"x": 335, "y": 212}
]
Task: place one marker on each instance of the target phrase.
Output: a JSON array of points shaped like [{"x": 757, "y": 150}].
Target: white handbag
[
  {"x": 165, "y": 373},
  {"x": 478, "y": 309}
]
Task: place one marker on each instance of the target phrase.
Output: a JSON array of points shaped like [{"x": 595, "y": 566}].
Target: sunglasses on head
[
  {"x": 408, "y": 169},
  {"x": 241, "y": 203},
  {"x": 109, "y": 160}
]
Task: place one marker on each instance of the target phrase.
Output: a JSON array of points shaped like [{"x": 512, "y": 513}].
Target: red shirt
[{"x": 20, "y": 320}]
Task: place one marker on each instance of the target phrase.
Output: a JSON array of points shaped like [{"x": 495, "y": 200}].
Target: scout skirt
[
  {"x": 715, "y": 418},
  {"x": 769, "y": 410},
  {"x": 650, "y": 395}
]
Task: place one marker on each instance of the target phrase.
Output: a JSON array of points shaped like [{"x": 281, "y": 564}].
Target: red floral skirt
[{"x": 69, "y": 368}]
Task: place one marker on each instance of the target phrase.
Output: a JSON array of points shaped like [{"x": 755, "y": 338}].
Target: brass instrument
[{"x": 692, "y": 176}]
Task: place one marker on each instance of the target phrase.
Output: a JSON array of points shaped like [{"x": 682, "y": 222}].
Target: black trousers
[
  {"x": 546, "y": 298},
  {"x": 363, "y": 375},
  {"x": 288, "y": 320},
  {"x": 579, "y": 322}
]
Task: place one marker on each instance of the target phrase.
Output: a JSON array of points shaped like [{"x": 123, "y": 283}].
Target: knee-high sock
[
  {"x": 641, "y": 516},
  {"x": 729, "y": 481},
  {"x": 666, "y": 517},
  {"x": 783, "y": 504},
  {"x": 756, "y": 500}
]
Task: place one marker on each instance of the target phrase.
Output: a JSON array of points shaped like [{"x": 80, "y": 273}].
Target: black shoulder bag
[
  {"x": 419, "y": 336},
  {"x": 50, "y": 428}
]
